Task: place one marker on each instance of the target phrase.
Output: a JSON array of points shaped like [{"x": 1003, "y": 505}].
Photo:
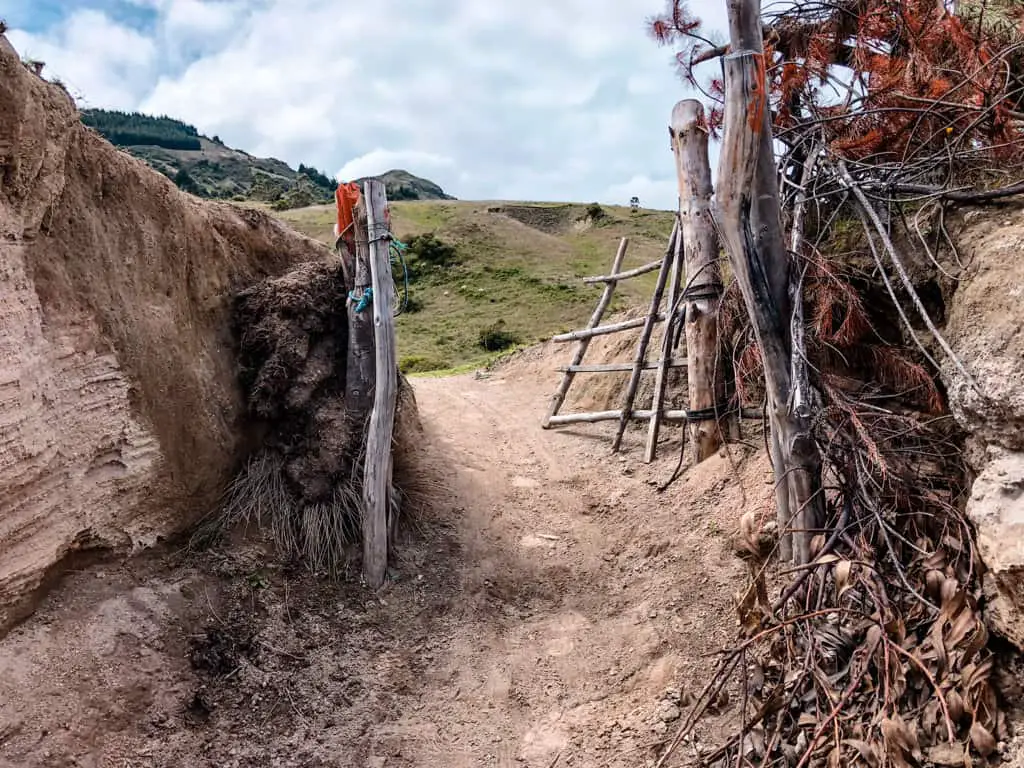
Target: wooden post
[
  {"x": 750, "y": 222},
  {"x": 378, "y": 468},
  {"x": 661, "y": 377},
  {"x": 653, "y": 316},
  {"x": 703, "y": 294},
  {"x": 584, "y": 342},
  {"x": 359, "y": 366}
]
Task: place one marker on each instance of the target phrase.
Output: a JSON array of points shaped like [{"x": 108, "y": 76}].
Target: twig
[{"x": 931, "y": 680}]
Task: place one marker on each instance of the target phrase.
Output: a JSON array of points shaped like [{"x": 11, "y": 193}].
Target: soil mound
[
  {"x": 305, "y": 483},
  {"x": 119, "y": 399}
]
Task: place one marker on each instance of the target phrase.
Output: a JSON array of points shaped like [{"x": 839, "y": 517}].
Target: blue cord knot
[{"x": 362, "y": 301}]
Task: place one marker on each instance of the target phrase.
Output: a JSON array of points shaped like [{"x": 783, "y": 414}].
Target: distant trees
[
  {"x": 266, "y": 187},
  {"x": 318, "y": 178},
  {"x": 134, "y": 129},
  {"x": 299, "y": 195},
  {"x": 184, "y": 181}
]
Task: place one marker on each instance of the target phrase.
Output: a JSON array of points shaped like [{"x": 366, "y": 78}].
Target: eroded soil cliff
[{"x": 119, "y": 408}]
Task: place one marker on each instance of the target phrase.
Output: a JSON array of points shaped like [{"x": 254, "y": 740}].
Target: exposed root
[{"x": 875, "y": 653}]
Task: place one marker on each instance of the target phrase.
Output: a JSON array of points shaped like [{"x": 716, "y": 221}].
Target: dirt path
[{"x": 552, "y": 609}]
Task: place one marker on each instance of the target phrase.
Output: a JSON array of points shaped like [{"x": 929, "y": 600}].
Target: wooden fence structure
[{"x": 683, "y": 311}]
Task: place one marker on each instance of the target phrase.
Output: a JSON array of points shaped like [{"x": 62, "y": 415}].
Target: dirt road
[{"x": 554, "y": 607}]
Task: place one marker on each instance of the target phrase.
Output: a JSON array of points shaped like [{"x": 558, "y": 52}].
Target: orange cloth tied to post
[{"x": 347, "y": 198}]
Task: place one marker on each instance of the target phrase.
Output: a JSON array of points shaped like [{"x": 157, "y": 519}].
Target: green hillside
[
  {"x": 511, "y": 273},
  {"x": 206, "y": 167}
]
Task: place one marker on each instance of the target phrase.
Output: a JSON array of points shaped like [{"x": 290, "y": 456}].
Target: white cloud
[
  {"x": 382, "y": 160},
  {"x": 528, "y": 99},
  {"x": 106, "y": 63},
  {"x": 208, "y": 19}
]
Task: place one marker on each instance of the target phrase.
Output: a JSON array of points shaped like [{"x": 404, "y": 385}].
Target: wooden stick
[
  {"x": 616, "y": 275},
  {"x": 581, "y": 350},
  {"x": 661, "y": 377},
  {"x": 705, "y": 379},
  {"x": 596, "y": 416},
  {"x": 645, "y": 337},
  {"x": 378, "y": 468},
  {"x": 601, "y": 330},
  {"x": 593, "y": 417},
  {"x": 622, "y": 367}
]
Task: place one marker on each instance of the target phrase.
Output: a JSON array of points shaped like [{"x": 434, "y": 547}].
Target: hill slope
[
  {"x": 208, "y": 168},
  {"x": 516, "y": 275}
]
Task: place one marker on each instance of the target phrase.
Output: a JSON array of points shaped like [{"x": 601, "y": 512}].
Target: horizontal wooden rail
[
  {"x": 600, "y": 330},
  {"x": 635, "y": 272},
  {"x": 596, "y": 416},
  {"x": 616, "y": 367}
]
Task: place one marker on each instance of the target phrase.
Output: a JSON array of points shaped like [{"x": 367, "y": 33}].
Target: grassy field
[{"x": 519, "y": 267}]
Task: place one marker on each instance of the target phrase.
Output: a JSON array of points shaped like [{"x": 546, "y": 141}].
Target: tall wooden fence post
[
  {"x": 378, "y": 467},
  {"x": 703, "y": 293},
  {"x": 359, "y": 361},
  {"x": 750, "y": 221}
]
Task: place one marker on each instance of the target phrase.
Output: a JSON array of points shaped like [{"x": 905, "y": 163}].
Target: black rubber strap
[
  {"x": 706, "y": 291},
  {"x": 714, "y": 412}
]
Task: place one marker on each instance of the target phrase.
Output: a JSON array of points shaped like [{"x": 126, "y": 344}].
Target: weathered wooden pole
[
  {"x": 750, "y": 222},
  {"x": 665, "y": 364},
  {"x": 359, "y": 366},
  {"x": 602, "y": 305},
  {"x": 653, "y": 316},
  {"x": 703, "y": 293},
  {"x": 378, "y": 467}
]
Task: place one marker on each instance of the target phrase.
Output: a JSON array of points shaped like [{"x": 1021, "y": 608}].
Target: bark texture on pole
[
  {"x": 378, "y": 469},
  {"x": 750, "y": 222},
  {"x": 703, "y": 293},
  {"x": 359, "y": 365}
]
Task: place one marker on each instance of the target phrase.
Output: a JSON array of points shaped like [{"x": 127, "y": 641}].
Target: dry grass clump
[{"x": 303, "y": 485}]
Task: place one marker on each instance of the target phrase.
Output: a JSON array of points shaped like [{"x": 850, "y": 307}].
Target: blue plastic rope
[{"x": 363, "y": 301}]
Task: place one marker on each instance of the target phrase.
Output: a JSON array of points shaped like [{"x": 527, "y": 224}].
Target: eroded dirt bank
[
  {"x": 551, "y": 607},
  {"x": 119, "y": 404}
]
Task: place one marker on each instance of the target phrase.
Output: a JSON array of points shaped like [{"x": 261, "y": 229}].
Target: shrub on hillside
[
  {"x": 266, "y": 187},
  {"x": 301, "y": 194},
  {"x": 496, "y": 338},
  {"x": 421, "y": 364},
  {"x": 412, "y": 304},
  {"x": 426, "y": 253},
  {"x": 186, "y": 183}
]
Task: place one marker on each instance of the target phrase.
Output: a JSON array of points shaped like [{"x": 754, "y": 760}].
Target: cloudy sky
[{"x": 492, "y": 99}]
